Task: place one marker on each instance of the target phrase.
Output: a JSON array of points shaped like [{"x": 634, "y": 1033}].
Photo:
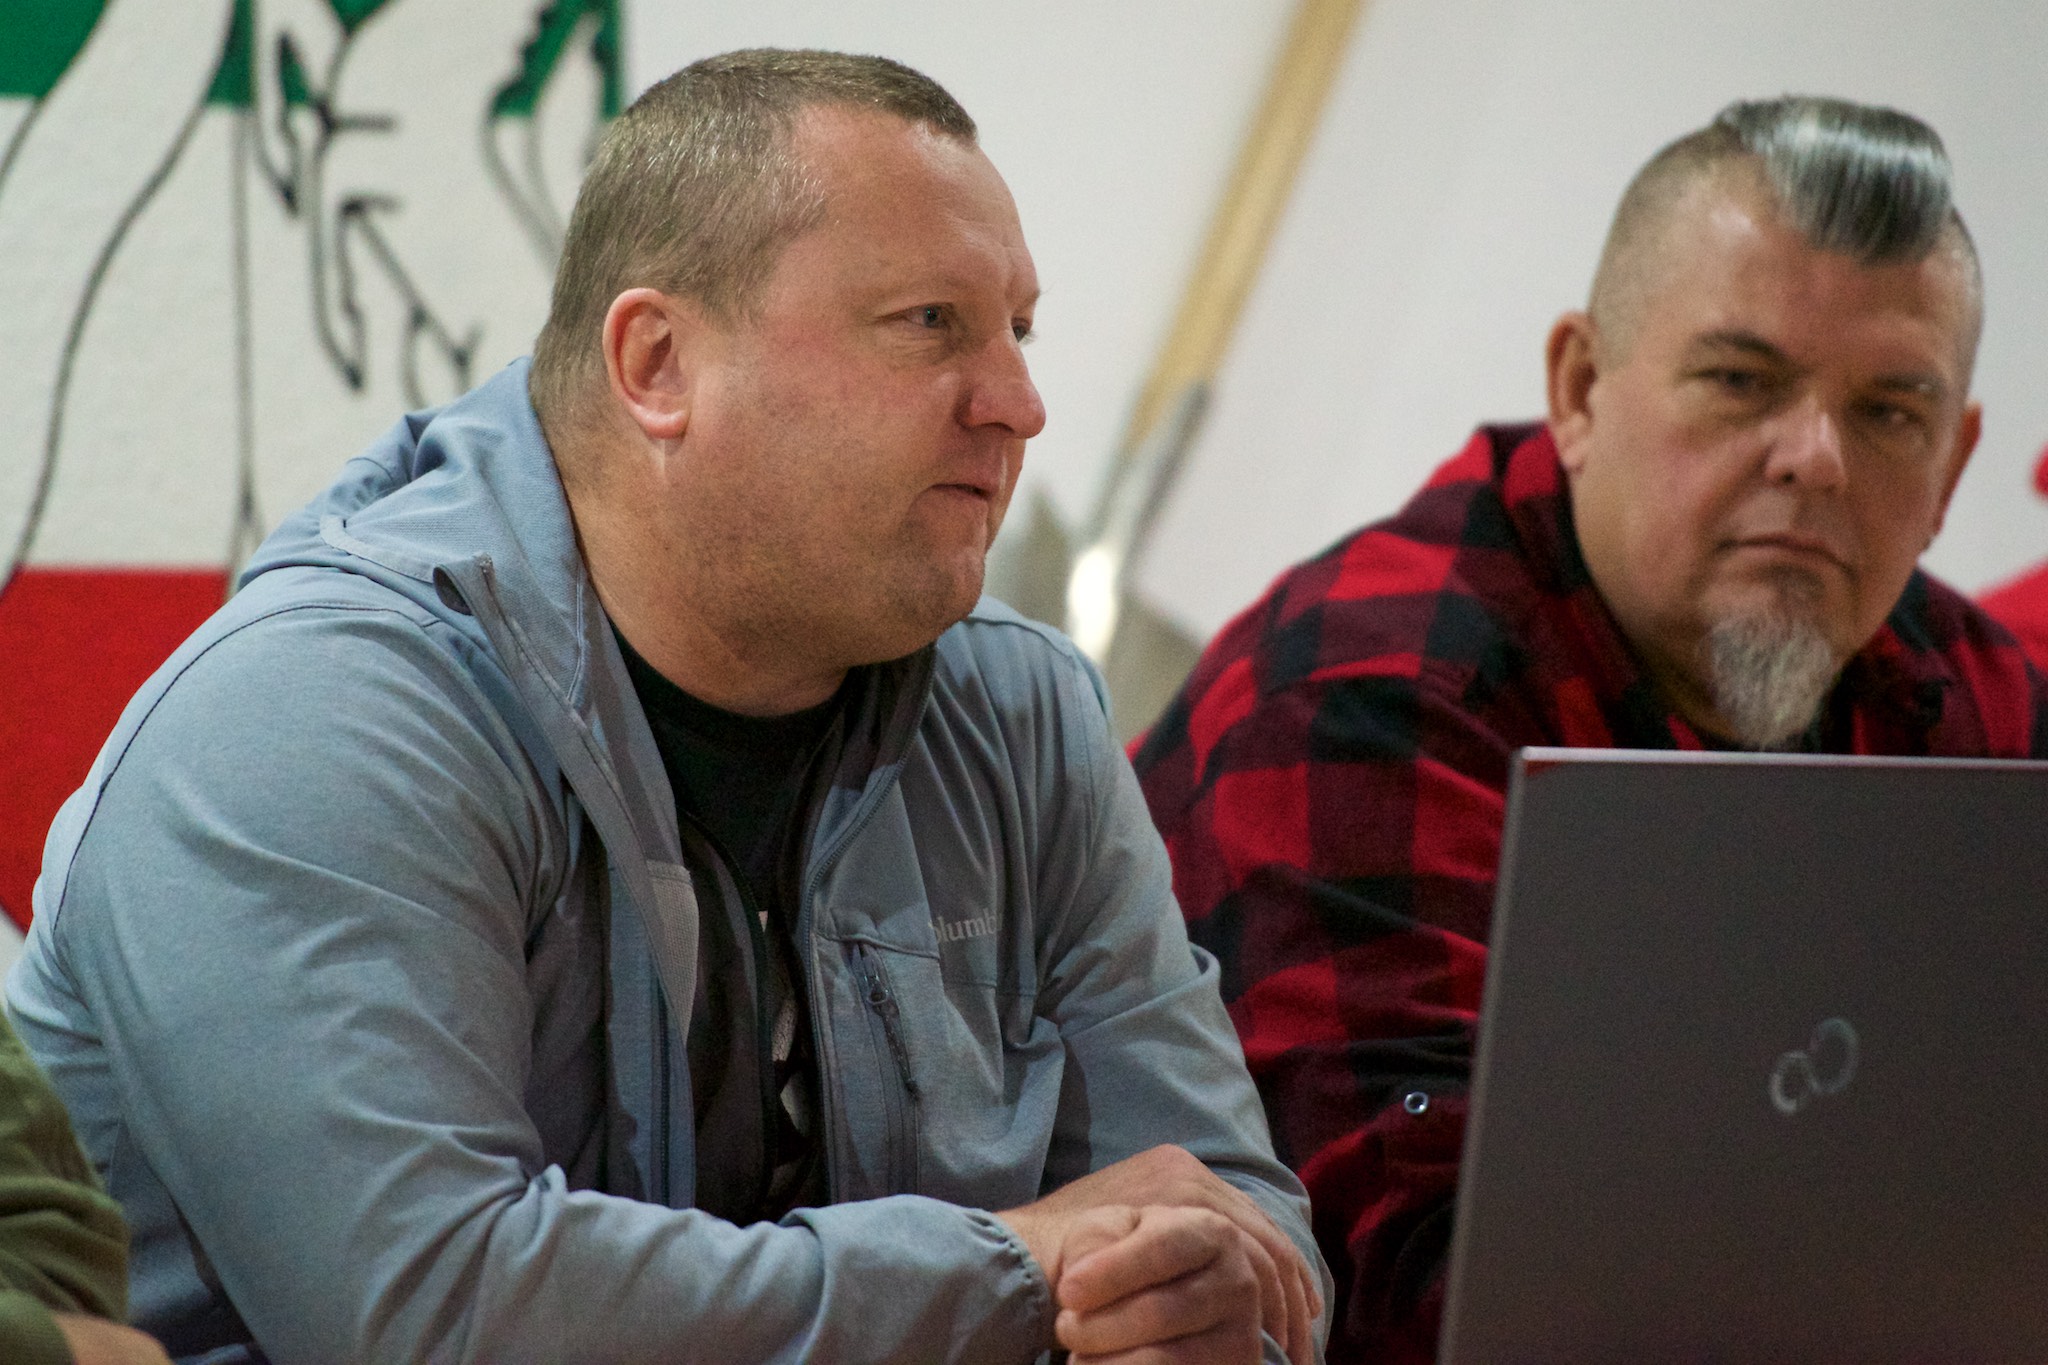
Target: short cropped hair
[
  {"x": 695, "y": 190},
  {"x": 1863, "y": 181}
]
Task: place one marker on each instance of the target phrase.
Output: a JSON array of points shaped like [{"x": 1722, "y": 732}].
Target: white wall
[{"x": 1453, "y": 206}]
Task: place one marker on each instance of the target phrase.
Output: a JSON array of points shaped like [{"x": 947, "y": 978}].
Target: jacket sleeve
[
  {"x": 1334, "y": 842},
  {"x": 298, "y": 921},
  {"x": 1151, "y": 1054}
]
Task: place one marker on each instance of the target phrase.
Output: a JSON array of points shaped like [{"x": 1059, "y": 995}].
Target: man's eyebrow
[
  {"x": 1735, "y": 339},
  {"x": 1924, "y": 385},
  {"x": 941, "y": 283}
]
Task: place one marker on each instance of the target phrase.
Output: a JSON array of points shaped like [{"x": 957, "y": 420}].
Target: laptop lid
[{"x": 1762, "y": 1071}]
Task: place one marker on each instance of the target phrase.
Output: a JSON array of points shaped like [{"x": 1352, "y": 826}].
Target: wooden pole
[
  {"x": 1175, "y": 394},
  {"x": 1243, "y": 226}
]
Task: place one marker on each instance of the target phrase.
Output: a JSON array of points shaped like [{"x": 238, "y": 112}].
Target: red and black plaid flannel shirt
[{"x": 1331, "y": 783}]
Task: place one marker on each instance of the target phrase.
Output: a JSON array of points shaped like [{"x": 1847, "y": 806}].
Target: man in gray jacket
[{"x": 604, "y": 890}]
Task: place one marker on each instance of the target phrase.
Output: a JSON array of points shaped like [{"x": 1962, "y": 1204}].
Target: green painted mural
[
  {"x": 42, "y": 37},
  {"x": 558, "y": 28}
]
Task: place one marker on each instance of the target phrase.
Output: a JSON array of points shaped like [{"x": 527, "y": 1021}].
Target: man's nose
[
  {"x": 1002, "y": 393},
  {"x": 1806, "y": 447}
]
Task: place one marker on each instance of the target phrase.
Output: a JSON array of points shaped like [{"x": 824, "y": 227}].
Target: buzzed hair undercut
[
  {"x": 1856, "y": 179},
  {"x": 695, "y": 189}
]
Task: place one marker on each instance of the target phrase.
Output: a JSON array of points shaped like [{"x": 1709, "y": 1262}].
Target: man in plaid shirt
[{"x": 1753, "y": 433}]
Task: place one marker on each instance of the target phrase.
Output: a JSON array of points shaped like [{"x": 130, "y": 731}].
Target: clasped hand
[{"x": 1156, "y": 1259}]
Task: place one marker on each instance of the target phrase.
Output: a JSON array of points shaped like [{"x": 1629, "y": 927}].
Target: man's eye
[
  {"x": 1891, "y": 416},
  {"x": 1742, "y": 383},
  {"x": 931, "y": 315},
  {"x": 1022, "y": 331}
]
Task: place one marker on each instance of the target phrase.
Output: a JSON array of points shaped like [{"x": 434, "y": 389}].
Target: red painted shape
[
  {"x": 2041, "y": 474},
  {"x": 2021, "y": 606},
  {"x": 75, "y": 643}
]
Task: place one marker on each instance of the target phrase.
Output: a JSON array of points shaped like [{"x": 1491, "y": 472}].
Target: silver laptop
[{"x": 1763, "y": 1065}]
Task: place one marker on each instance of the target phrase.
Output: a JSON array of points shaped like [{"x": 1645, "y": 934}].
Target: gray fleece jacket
[{"x": 364, "y": 959}]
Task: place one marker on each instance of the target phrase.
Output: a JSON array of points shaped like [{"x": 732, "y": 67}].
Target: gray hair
[
  {"x": 695, "y": 190},
  {"x": 1856, "y": 179}
]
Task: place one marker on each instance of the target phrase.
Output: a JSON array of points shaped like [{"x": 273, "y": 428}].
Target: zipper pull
[{"x": 884, "y": 1004}]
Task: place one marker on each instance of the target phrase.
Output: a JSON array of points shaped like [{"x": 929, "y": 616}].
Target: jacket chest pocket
[{"x": 946, "y": 1087}]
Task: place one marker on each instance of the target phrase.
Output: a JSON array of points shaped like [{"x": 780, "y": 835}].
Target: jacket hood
[
  {"x": 459, "y": 510},
  {"x": 451, "y": 496}
]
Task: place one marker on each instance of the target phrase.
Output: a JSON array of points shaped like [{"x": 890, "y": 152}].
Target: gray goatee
[{"x": 1769, "y": 674}]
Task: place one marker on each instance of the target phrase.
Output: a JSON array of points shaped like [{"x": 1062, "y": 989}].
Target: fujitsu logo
[{"x": 1824, "y": 1067}]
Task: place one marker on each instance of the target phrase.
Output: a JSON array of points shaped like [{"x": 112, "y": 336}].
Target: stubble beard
[
  {"x": 925, "y": 606},
  {"x": 940, "y": 582},
  {"x": 1770, "y": 670},
  {"x": 917, "y": 590}
]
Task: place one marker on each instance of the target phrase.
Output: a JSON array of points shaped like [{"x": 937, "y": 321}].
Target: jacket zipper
[
  {"x": 571, "y": 751},
  {"x": 830, "y": 1120},
  {"x": 904, "y": 1105},
  {"x": 661, "y": 1149}
]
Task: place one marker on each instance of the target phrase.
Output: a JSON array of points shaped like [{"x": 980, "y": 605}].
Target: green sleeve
[
  {"x": 28, "y": 1334},
  {"x": 62, "y": 1242}
]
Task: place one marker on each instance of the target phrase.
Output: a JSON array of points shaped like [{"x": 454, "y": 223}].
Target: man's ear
[
  {"x": 1570, "y": 365},
  {"x": 1968, "y": 428},
  {"x": 648, "y": 347}
]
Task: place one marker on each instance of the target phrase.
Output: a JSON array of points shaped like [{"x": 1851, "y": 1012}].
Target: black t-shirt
[{"x": 745, "y": 788}]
